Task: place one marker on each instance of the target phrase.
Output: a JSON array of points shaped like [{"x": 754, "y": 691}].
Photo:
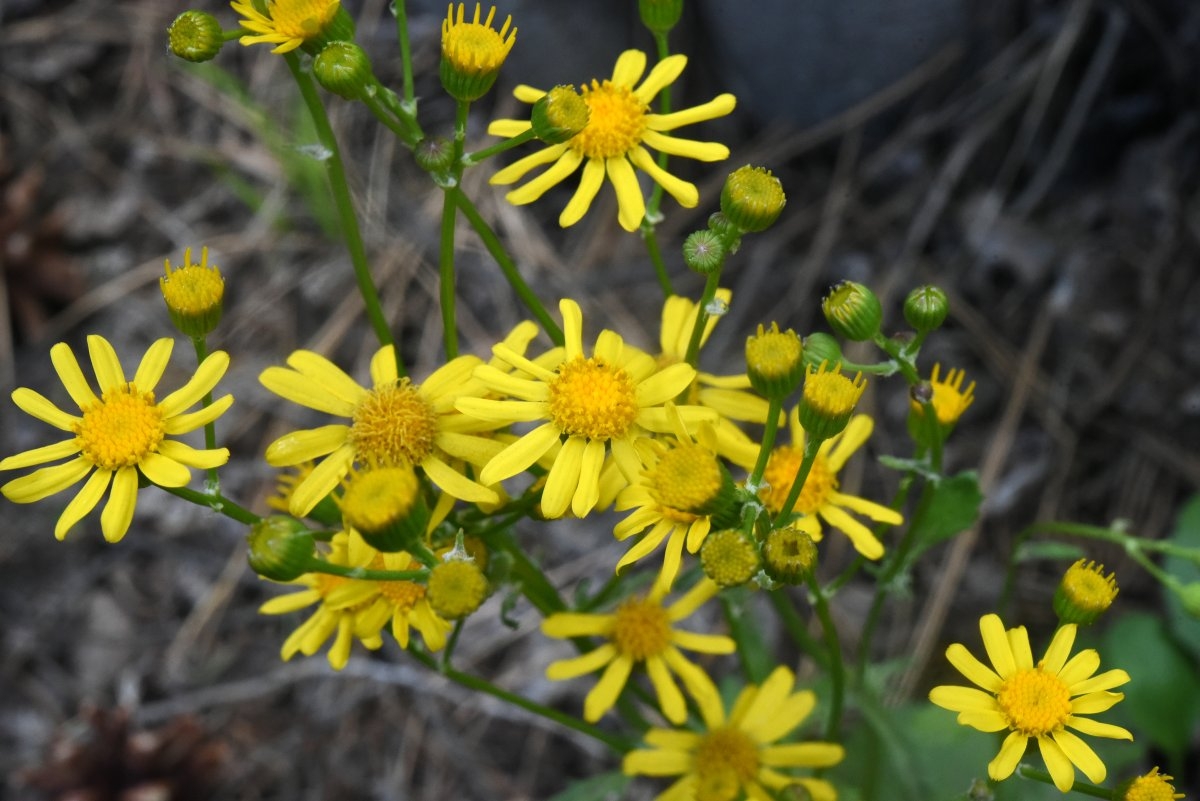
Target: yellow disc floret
[
  {"x": 377, "y": 498},
  {"x": 641, "y": 629},
  {"x": 782, "y": 467},
  {"x": 121, "y": 429},
  {"x": 194, "y": 293},
  {"x": 685, "y": 481},
  {"x": 457, "y": 587},
  {"x": 394, "y": 424},
  {"x": 728, "y": 558},
  {"x": 593, "y": 399},
  {"x": 616, "y": 121},
  {"x": 473, "y": 52},
  {"x": 725, "y": 760},
  {"x": 1034, "y": 702},
  {"x": 1153, "y": 786},
  {"x": 1084, "y": 593},
  {"x": 774, "y": 361},
  {"x": 829, "y": 400}
]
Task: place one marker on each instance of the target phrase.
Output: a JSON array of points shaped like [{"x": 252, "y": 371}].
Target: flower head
[
  {"x": 820, "y": 499},
  {"x": 682, "y": 489},
  {"x": 1084, "y": 593},
  {"x": 950, "y": 400},
  {"x": 395, "y": 422},
  {"x": 596, "y": 406},
  {"x": 1042, "y": 701},
  {"x": 620, "y": 127},
  {"x": 123, "y": 434},
  {"x": 738, "y": 754},
  {"x": 828, "y": 400},
  {"x": 729, "y": 557},
  {"x": 1152, "y": 786},
  {"x": 473, "y": 52},
  {"x": 287, "y": 23},
  {"x": 641, "y": 631},
  {"x": 193, "y": 293}
]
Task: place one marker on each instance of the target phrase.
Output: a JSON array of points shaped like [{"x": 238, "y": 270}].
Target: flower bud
[
  {"x": 473, "y": 52},
  {"x": 660, "y": 16},
  {"x": 195, "y": 36},
  {"x": 194, "y": 294},
  {"x": 559, "y": 115},
  {"x": 1189, "y": 596},
  {"x": 789, "y": 555},
  {"x": 853, "y": 311},
  {"x": 344, "y": 69},
  {"x": 704, "y": 252},
  {"x": 752, "y": 199},
  {"x": 819, "y": 348},
  {"x": 949, "y": 401},
  {"x": 728, "y": 558},
  {"x": 774, "y": 362},
  {"x": 457, "y": 587},
  {"x": 434, "y": 155},
  {"x": 828, "y": 401},
  {"x": 1084, "y": 593},
  {"x": 385, "y": 506},
  {"x": 1152, "y": 786},
  {"x": 280, "y": 548},
  {"x": 925, "y": 308},
  {"x": 731, "y": 235}
]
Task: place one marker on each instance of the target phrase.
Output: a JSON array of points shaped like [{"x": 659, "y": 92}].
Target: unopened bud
[
  {"x": 559, "y": 115},
  {"x": 344, "y": 69},
  {"x": 195, "y": 36},
  {"x": 853, "y": 311},
  {"x": 752, "y": 198},
  {"x": 280, "y": 548}
]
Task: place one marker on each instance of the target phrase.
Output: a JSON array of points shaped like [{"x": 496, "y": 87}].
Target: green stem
[
  {"x": 479, "y": 156},
  {"x": 796, "y": 629},
  {"x": 449, "y": 218},
  {"x": 346, "y": 571},
  {"x": 664, "y": 107},
  {"x": 1083, "y": 788},
  {"x": 770, "y": 428},
  {"x": 1134, "y": 546},
  {"x": 650, "y": 237},
  {"x": 811, "y": 446},
  {"x": 509, "y": 268},
  {"x": 392, "y": 116},
  {"x": 215, "y": 501},
  {"x": 401, "y": 13},
  {"x": 837, "y": 670},
  {"x": 210, "y": 428},
  {"x": 482, "y": 685},
  {"x": 345, "y": 206},
  {"x": 710, "y": 291}
]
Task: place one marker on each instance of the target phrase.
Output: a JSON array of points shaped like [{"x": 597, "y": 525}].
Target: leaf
[
  {"x": 953, "y": 508},
  {"x": 1162, "y": 698},
  {"x": 1185, "y": 627},
  {"x": 609, "y": 786}
]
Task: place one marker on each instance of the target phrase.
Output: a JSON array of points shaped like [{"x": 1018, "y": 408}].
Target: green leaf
[
  {"x": 953, "y": 508},
  {"x": 1187, "y": 534},
  {"x": 1162, "y": 698},
  {"x": 609, "y": 786}
]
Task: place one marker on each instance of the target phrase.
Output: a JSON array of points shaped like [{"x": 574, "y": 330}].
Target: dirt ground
[{"x": 1042, "y": 170}]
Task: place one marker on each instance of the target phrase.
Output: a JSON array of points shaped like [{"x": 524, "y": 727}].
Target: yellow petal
[
  {"x": 384, "y": 372},
  {"x": 962, "y": 699},
  {"x": 631, "y": 206},
  {"x": 629, "y": 68},
  {"x": 587, "y": 491},
  {"x": 563, "y": 478},
  {"x": 45, "y": 482},
  {"x": 301, "y": 446},
  {"x": 38, "y": 406},
  {"x": 321, "y": 481},
  {"x": 67, "y": 367},
  {"x": 508, "y": 128},
  {"x": 193, "y": 457},
  {"x": 83, "y": 503},
  {"x": 864, "y": 541},
  {"x": 567, "y": 163},
  {"x": 1059, "y": 649},
  {"x": 46, "y": 453},
  {"x": 577, "y": 666},
  {"x": 1105, "y": 681},
  {"x": 163, "y": 471},
  {"x": 802, "y": 755},
  {"x": 995, "y": 642},
  {"x": 105, "y": 363},
  {"x": 1011, "y": 751},
  {"x": 1058, "y": 764},
  {"x": 577, "y": 624},
  {"x": 670, "y": 699},
  {"x": 719, "y": 106},
  {"x": 154, "y": 363},
  {"x": 972, "y": 668},
  {"x": 452, "y": 482},
  {"x": 520, "y": 455},
  {"x": 519, "y": 168},
  {"x": 122, "y": 498},
  {"x": 604, "y": 695},
  {"x": 572, "y": 317},
  {"x": 665, "y": 385},
  {"x": 327, "y": 377},
  {"x": 686, "y": 148},
  {"x": 207, "y": 375},
  {"x": 183, "y": 423},
  {"x": 1081, "y": 756},
  {"x": 662, "y": 75},
  {"x": 685, "y": 193}
]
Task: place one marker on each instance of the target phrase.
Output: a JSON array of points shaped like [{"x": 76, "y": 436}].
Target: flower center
[
  {"x": 474, "y": 47},
  {"x": 641, "y": 629},
  {"x": 781, "y": 471},
  {"x": 121, "y": 429},
  {"x": 301, "y": 19},
  {"x": 726, "y": 760},
  {"x": 832, "y": 394},
  {"x": 392, "y": 425},
  {"x": 401, "y": 594},
  {"x": 1154, "y": 786},
  {"x": 1034, "y": 702},
  {"x": 685, "y": 481},
  {"x": 616, "y": 121},
  {"x": 377, "y": 498},
  {"x": 591, "y": 398}
]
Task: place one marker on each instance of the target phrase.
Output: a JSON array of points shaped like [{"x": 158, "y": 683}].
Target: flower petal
[
  {"x": 629, "y": 68},
  {"x": 572, "y": 317},
  {"x": 687, "y": 148},
  {"x": 122, "y": 498},
  {"x": 1060, "y": 767},
  {"x": 153, "y": 364},
  {"x": 207, "y": 375},
  {"x": 657, "y": 762},
  {"x": 1105, "y": 681},
  {"x": 105, "y": 363},
  {"x": 1011, "y": 751},
  {"x": 693, "y": 599},
  {"x": 563, "y": 479},
  {"x": 1081, "y": 755},
  {"x": 684, "y": 192},
  {"x": 853, "y": 437},
  {"x": 589, "y": 186},
  {"x": 962, "y": 699},
  {"x": 972, "y": 668},
  {"x": 384, "y": 372},
  {"x": 1095, "y": 728},
  {"x": 452, "y": 482},
  {"x": 581, "y": 665},
  {"x": 83, "y": 503},
  {"x": 670, "y": 699},
  {"x": 995, "y": 642},
  {"x": 1018, "y": 641},
  {"x": 663, "y": 74},
  {"x": 301, "y": 446},
  {"x": 802, "y": 755},
  {"x": 567, "y": 163},
  {"x": 520, "y": 455},
  {"x": 587, "y": 491},
  {"x": 164, "y": 471},
  {"x": 719, "y": 106},
  {"x": 664, "y": 385},
  {"x": 1059, "y": 650},
  {"x": 517, "y": 170},
  {"x": 876, "y": 511},
  {"x": 864, "y": 541},
  {"x": 46, "y": 453},
  {"x": 37, "y": 405},
  {"x": 321, "y": 481},
  {"x": 631, "y": 205},
  {"x": 183, "y": 423},
  {"x": 604, "y": 695},
  {"x": 577, "y": 624},
  {"x": 703, "y": 643},
  {"x": 67, "y": 367},
  {"x": 1080, "y": 668},
  {"x": 202, "y": 459}
]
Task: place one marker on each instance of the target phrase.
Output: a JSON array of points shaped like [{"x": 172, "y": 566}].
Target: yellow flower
[
  {"x": 620, "y": 127},
  {"x": 820, "y": 497},
  {"x": 1153, "y": 786},
  {"x": 193, "y": 293},
  {"x": 1039, "y": 701},
  {"x": 121, "y": 435},
  {"x": 738, "y": 755},
  {"x": 641, "y": 631},
  {"x": 681, "y": 489},
  {"x": 393, "y": 423},
  {"x": 287, "y": 23},
  {"x": 473, "y": 52},
  {"x": 602, "y": 404},
  {"x": 725, "y": 395},
  {"x": 950, "y": 400}
]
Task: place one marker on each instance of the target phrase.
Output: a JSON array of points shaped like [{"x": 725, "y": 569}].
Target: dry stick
[
  {"x": 176, "y": 657},
  {"x": 933, "y": 613},
  {"x": 1048, "y": 170}
]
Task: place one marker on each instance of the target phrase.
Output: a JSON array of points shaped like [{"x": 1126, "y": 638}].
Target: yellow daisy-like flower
[
  {"x": 392, "y": 423},
  {"x": 473, "y": 52},
  {"x": 121, "y": 435},
  {"x": 641, "y": 631},
  {"x": 620, "y": 126},
  {"x": 1041, "y": 701},
  {"x": 950, "y": 400},
  {"x": 599, "y": 403},
  {"x": 287, "y": 23},
  {"x": 682, "y": 487},
  {"x": 725, "y": 395},
  {"x": 739, "y": 754},
  {"x": 820, "y": 499},
  {"x": 1153, "y": 786}
]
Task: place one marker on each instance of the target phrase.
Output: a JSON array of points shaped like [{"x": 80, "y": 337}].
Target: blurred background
[{"x": 1035, "y": 158}]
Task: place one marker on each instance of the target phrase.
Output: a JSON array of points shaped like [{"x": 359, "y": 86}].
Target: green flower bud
[
  {"x": 774, "y": 361},
  {"x": 457, "y": 587},
  {"x": 828, "y": 401},
  {"x": 385, "y": 506},
  {"x": 434, "y": 155},
  {"x": 344, "y": 69},
  {"x": 752, "y": 198},
  {"x": 820, "y": 348},
  {"x": 660, "y": 16},
  {"x": 281, "y": 548},
  {"x": 703, "y": 252},
  {"x": 728, "y": 558},
  {"x": 339, "y": 29},
  {"x": 195, "y": 36},
  {"x": 559, "y": 115},
  {"x": 1084, "y": 593},
  {"x": 194, "y": 294},
  {"x": 853, "y": 311},
  {"x": 721, "y": 225},
  {"x": 925, "y": 308},
  {"x": 473, "y": 52},
  {"x": 789, "y": 555}
]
